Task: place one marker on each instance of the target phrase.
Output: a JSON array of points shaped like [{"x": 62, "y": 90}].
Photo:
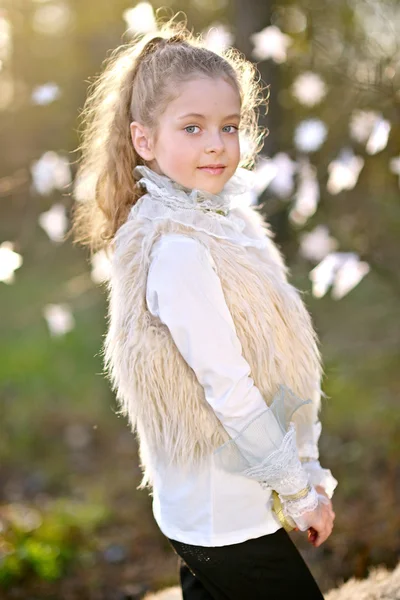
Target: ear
[{"x": 142, "y": 140}]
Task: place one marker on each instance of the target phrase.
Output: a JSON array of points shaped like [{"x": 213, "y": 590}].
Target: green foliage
[{"x": 42, "y": 542}]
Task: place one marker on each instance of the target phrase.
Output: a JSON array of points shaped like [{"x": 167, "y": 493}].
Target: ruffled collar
[{"x": 198, "y": 209}]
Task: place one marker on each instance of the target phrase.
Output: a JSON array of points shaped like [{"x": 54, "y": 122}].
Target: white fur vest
[{"x": 154, "y": 385}]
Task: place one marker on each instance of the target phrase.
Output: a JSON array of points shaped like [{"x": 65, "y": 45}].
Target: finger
[{"x": 322, "y": 538}]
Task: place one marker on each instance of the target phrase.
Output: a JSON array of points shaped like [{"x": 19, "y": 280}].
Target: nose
[{"x": 214, "y": 144}]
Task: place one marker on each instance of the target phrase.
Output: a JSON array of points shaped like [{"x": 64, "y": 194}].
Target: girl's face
[{"x": 197, "y": 140}]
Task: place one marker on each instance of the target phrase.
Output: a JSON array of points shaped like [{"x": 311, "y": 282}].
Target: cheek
[
  {"x": 185, "y": 147},
  {"x": 234, "y": 148}
]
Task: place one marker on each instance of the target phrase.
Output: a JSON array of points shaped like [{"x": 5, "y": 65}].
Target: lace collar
[{"x": 198, "y": 209}]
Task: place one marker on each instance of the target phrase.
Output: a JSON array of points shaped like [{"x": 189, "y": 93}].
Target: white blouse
[{"x": 209, "y": 506}]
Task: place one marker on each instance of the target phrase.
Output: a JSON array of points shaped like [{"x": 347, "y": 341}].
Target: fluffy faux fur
[{"x": 156, "y": 388}]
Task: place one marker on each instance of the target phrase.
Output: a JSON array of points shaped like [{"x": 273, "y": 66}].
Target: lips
[{"x": 212, "y": 167}]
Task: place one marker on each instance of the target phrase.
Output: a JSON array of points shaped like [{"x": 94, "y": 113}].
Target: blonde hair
[{"x": 137, "y": 84}]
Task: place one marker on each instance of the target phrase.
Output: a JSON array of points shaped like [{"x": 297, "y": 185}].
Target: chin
[
  {"x": 216, "y": 190},
  {"x": 214, "y": 187}
]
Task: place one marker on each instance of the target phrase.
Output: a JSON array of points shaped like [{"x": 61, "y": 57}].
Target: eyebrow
[{"x": 199, "y": 116}]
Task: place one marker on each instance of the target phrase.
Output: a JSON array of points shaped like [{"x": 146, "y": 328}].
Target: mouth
[{"x": 213, "y": 169}]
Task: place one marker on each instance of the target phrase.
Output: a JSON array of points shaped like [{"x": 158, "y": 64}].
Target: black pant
[{"x": 265, "y": 568}]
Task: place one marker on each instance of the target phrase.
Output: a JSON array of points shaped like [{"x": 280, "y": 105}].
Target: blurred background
[{"x": 72, "y": 523}]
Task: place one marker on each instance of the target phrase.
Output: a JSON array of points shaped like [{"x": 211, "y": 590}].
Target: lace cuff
[
  {"x": 320, "y": 476},
  {"x": 266, "y": 451},
  {"x": 281, "y": 470},
  {"x": 298, "y": 507}
]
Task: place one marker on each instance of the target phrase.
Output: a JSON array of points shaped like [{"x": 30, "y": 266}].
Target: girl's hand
[{"x": 319, "y": 522}]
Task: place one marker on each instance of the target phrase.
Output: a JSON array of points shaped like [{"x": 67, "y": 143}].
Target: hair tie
[
  {"x": 151, "y": 46},
  {"x": 158, "y": 41}
]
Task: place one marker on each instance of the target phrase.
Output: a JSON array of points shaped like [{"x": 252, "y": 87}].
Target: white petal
[
  {"x": 54, "y": 222},
  {"x": 85, "y": 186},
  {"x": 101, "y": 267},
  {"x": 282, "y": 183},
  {"x": 342, "y": 269},
  {"x": 349, "y": 274},
  {"x": 271, "y": 43},
  {"x": 310, "y": 135},
  {"x": 309, "y": 89},
  {"x": 50, "y": 172},
  {"x": 317, "y": 244},
  {"x": 59, "y": 318},
  {"x": 307, "y": 194},
  {"x": 10, "y": 261},
  {"x": 322, "y": 276},
  {"x": 379, "y": 137},
  {"x": 140, "y": 19},
  {"x": 218, "y": 38},
  {"x": 45, "y": 94},
  {"x": 362, "y": 123},
  {"x": 344, "y": 171}
]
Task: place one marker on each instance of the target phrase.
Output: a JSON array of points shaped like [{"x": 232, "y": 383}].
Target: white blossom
[
  {"x": 283, "y": 168},
  {"x": 361, "y": 124},
  {"x": 271, "y": 43},
  {"x": 317, "y": 244},
  {"x": 379, "y": 137},
  {"x": 309, "y": 89},
  {"x": 85, "y": 186},
  {"x": 10, "y": 261},
  {"x": 54, "y": 222},
  {"x": 369, "y": 127},
  {"x": 349, "y": 274},
  {"x": 307, "y": 194},
  {"x": 344, "y": 171},
  {"x": 140, "y": 19},
  {"x": 50, "y": 172},
  {"x": 218, "y": 38},
  {"x": 310, "y": 135},
  {"x": 45, "y": 94},
  {"x": 322, "y": 276},
  {"x": 343, "y": 270},
  {"x": 101, "y": 267},
  {"x": 59, "y": 319}
]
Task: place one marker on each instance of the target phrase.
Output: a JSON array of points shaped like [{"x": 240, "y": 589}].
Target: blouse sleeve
[
  {"x": 307, "y": 438},
  {"x": 185, "y": 293}
]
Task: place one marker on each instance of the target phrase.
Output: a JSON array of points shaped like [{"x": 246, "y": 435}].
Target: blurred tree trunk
[{"x": 251, "y": 16}]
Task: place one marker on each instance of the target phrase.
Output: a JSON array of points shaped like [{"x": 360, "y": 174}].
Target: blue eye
[
  {"x": 191, "y": 127},
  {"x": 232, "y": 126}
]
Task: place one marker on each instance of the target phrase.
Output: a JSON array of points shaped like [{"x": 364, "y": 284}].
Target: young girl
[{"x": 210, "y": 350}]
